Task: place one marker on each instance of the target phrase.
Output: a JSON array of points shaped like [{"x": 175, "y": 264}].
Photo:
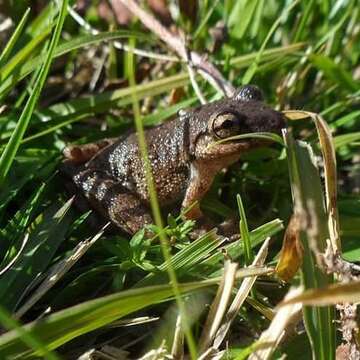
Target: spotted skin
[{"x": 183, "y": 156}]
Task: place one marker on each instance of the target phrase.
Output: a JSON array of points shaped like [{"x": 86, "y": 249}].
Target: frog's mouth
[
  {"x": 258, "y": 138},
  {"x": 207, "y": 147},
  {"x": 235, "y": 145}
]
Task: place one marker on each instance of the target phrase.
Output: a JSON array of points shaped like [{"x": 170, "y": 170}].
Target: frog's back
[{"x": 168, "y": 154}]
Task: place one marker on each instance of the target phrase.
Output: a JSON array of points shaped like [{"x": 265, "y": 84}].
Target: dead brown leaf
[{"x": 291, "y": 252}]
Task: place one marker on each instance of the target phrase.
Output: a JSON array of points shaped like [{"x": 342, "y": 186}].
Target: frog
[{"x": 184, "y": 153}]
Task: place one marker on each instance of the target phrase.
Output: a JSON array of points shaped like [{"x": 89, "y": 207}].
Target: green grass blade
[
  {"x": 13, "y": 232},
  {"x": 59, "y": 125},
  {"x": 42, "y": 21},
  {"x": 14, "y": 37},
  {"x": 347, "y": 120},
  {"x": 156, "y": 212},
  {"x": 24, "y": 336},
  {"x": 335, "y": 72},
  {"x": 267, "y": 55},
  {"x": 149, "y": 120},
  {"x": 87, "y": 40},
  {"x": 250, "y": 72},
  {"x": 65, "y": 325},
  {"x": 309, "y": 205},
  {"x": 346, "y": 139},
  {"x": 259, "y": 135},
  {"x": 7, "y": 157},
  {"x": 205, "y": 20},
  {"x": 186, "y": 258},
  {"x": 244, "y": 232},
  {"x": 236, "y": 248},
  {"x": 23, "y": 54},
  {"x": 349, "y": 11},
  {"x": 243, "y": 10},
  {"x": 164, "y": 113},
  {"x": 47, "y": 233},
  {"x": 306, "y": 14},
  {"x": 65, "y": 48},
  {"x": 102, "y": 102}
]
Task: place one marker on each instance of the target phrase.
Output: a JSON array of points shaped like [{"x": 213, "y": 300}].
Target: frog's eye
[
  {"x": 248, "y": 92},
  {"x": 225, "y": 125}
]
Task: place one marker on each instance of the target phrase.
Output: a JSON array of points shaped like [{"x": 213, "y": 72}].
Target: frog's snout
[
  {"x": 268, "y": 121},
  {"x": 277, "y": 122}
]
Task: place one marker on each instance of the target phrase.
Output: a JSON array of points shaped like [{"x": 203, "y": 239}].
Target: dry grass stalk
[{"x": 240, "y": 297}]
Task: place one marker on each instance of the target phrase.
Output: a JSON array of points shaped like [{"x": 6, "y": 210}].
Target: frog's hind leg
[{"x": 113, "y": 200}]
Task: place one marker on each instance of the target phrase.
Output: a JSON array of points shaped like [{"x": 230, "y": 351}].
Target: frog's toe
[{"x": 230, "y": 228}]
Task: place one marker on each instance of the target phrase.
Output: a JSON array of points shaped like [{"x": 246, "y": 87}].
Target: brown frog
[{"x": 182, "y": 153}]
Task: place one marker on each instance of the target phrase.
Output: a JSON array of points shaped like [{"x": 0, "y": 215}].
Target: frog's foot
[
  {"x": 230, "y": 228},
  {"x": 80, "y": 154},
  {"x": 113, "y": 201},
  {"x": 203, "y": 225}
]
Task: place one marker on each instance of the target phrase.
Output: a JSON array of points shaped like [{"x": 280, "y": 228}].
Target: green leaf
[
  {"x": 250, "y": 72},
  {"x": 347, "y": 120},
  {"x": 305, "y": 16},
  {"x": 186, "y": 258},
  {"x": 266, "y": 55},
  {"x": 236, "y": 248},
  {"x": 259, "y": 135}
]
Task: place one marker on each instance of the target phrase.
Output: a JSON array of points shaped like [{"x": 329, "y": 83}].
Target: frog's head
[{"x": 243, "y": 113}]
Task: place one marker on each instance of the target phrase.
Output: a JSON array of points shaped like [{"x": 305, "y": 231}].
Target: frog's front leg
[
  {"x": 113, "y": 200},
  {"x": 201, "y": 178}
]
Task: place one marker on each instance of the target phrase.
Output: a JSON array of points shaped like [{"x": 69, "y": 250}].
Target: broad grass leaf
[{"x": 65, "y": 325}]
